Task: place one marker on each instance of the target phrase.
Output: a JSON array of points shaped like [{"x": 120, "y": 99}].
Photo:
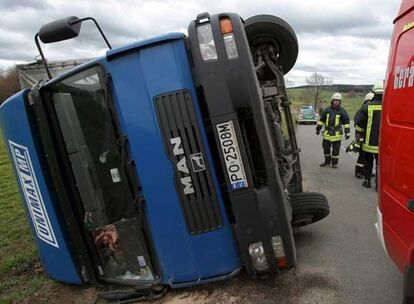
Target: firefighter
[
  {"x": 335, "y": 120},
  {"x": 368, "y": 128},
  {"x": 359, "y": 166}
]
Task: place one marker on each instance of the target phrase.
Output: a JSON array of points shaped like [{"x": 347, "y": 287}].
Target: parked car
[
  {"x": 307, "y": 115},
  {"x": 395, "y": 216}
]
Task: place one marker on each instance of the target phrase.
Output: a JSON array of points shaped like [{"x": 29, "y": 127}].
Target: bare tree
[
  {"x": 315, "y": 81},
  {"x": 9, "y": 84},
  {"x": 289, "y": 83}
]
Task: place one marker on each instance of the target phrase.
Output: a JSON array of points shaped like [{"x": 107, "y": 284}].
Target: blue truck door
[{"x": 53, "y": 248}]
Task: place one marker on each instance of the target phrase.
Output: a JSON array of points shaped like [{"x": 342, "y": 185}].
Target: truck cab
[
  {"x": 395, "y": 223},
  {"x": 164, "y": 162}
]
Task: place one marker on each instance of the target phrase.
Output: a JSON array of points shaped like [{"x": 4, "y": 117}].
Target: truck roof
[
  {"x": 142, "y": 43},
  {"x": 406, "y": 6},
  {"x": 31, "y": 73}
]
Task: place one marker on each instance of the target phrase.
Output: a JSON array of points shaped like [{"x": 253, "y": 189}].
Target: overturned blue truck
[{"x": 170, "y": 161}]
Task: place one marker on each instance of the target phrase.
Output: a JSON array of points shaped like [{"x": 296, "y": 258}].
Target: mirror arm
[
  {"x": 39, "y": 48},
  {"x": 97, "y": 25},
  {"x": 43, "y": 56}
]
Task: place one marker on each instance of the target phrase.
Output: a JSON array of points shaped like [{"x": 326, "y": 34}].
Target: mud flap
[{"x": 409, "y": 285}]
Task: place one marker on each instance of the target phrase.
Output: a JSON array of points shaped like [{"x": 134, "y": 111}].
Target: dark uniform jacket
[
  {"x": 368, "y": 125},
  {"x": 357, "y": 112},
  {"x": 335, "y": 121}
]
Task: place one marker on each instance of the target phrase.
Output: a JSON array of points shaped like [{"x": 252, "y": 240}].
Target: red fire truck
[{"x": 395, "y": 224}]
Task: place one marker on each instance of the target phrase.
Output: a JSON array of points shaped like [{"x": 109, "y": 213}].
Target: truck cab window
[{"x": 96, "y": 160}]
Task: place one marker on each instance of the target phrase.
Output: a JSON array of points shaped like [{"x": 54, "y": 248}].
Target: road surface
[
  {"x": 345, "y": 245},
  {"x": 340, "y": 259}
]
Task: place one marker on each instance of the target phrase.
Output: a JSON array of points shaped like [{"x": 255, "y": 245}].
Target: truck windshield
[{"x": 96, "y": 158}]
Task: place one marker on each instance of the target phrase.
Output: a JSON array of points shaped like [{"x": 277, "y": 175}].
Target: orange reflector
[
  {"x": 226, "y": 26},
  {"x": 282, "y": 262}
]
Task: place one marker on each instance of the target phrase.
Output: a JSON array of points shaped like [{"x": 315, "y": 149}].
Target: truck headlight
[
  {"x": 257, "y": 253},
  {"x": 206, "y": 42},
  {"x": 279, "y": 251},
  {"x": 230, "y": 44}
]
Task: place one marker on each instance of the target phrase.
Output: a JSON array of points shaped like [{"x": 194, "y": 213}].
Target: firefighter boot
[
  {"x": 327, "y": 161},
  {"x": 335, "y": 162},
  {"x": 358, "y": 174},
  {"x": 367, "y": 183}
]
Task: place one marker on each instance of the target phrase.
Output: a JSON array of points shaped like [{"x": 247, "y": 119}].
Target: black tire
[
  {"x": 308, "y": 208},
  {"x": 262, "y": 29}
]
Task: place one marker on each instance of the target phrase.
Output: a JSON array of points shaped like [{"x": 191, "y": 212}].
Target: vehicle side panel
[
  {"x": 396, "y": 148},
  {"x": 38, "y": 200}
]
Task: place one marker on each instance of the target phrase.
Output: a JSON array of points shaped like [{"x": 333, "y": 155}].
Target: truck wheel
[
  {"x": 308, "y": 208},
  {"x": 268, "y": 29}
]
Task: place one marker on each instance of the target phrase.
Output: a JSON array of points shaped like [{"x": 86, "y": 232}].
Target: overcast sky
[{"x": 347, "y": 41}]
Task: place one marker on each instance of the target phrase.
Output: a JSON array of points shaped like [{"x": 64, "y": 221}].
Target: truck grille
[{"x": 182, "y": 139}]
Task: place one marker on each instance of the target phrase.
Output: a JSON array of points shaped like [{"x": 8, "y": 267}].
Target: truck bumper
[
  {"x": 379, "y": 229},
  {"x": 311, "y": 121},
  {"x": 229, "y": 94}
]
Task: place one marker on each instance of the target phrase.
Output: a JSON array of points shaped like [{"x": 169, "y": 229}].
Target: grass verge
[{"x": 351, "y": 102}]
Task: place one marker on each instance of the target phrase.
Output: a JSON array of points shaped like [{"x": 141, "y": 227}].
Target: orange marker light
[
  {"x": 282, "y": 262},
  {"x": 226, "y": 26}
]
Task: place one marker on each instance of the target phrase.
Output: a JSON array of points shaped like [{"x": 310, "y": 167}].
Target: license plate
[{"x": 231, "y": 155}]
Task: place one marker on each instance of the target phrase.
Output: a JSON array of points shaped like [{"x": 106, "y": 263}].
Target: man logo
[
  {"x": 178, "y": 150},
  {"x": 197, "y": 161}
]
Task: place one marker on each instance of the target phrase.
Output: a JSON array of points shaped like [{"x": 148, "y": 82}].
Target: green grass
[
  {"x": 18, "y": 256},
  {"x": 350, "y": 102}
]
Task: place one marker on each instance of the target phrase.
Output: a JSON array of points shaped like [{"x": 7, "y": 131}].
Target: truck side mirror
[
  {"x": 59, "y": 30},
  {"x": 62, "y": 29}
]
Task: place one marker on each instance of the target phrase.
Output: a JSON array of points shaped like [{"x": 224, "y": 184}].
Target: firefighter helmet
[
  {"x": 337, "y": 96},
  {"x": 378, "y": 88},
  {"x": 369, "y": 96}
]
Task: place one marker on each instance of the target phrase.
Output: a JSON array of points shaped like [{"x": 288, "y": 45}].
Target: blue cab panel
[
  {"x": 48, "y": 230},
  {"x": 139, "y": 74}
]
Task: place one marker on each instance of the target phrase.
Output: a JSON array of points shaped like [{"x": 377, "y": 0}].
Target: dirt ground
[{"x": 300, "y": 286}]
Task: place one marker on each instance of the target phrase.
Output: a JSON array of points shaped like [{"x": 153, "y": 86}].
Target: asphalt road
[
  {"x": 340, "y": 258},
  {"x": 345, "y": 245}
]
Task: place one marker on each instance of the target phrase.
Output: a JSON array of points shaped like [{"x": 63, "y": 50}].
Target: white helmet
[
  {"x": 337, "y": 96},
  {"x": 378, "y": 88},
  {"x": 369, "y": 96}
]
